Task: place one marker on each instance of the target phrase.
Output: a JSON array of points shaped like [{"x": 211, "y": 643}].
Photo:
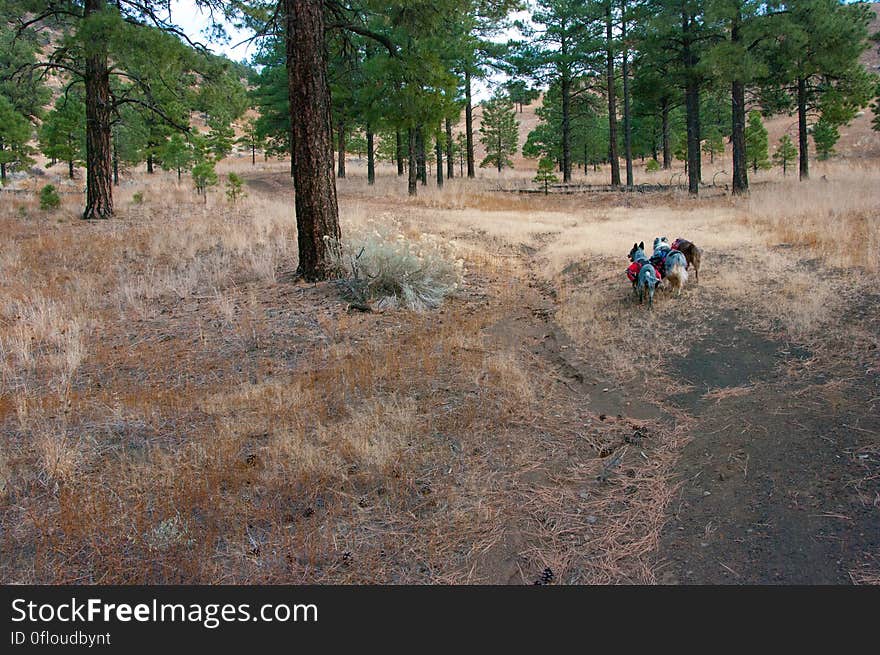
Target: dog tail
[{"x": 679, "y": 273}]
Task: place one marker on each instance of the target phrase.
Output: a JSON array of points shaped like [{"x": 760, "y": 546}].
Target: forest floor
[{"x": 177, "y": 408}]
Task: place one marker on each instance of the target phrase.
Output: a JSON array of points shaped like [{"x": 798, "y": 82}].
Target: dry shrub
[
  {"x": 59, "y": 456},
  {"x": 386, "y": 266}
]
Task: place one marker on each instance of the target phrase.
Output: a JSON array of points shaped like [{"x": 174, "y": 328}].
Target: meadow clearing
[{"x": 176, "y": 408}]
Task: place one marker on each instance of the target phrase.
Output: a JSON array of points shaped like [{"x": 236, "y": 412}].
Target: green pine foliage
[
  {"x": 499, "y": 132},
  {"x": 825, "y": 136},
  {"x": 757, "y": 142},
  {"x": 234, "y": 188},
  {"x": 545, "y": 175},
  {"x": 177, "y": 154},
  {"x": 49, "y": 198},
  {"x": 15, "y": 133},
  {"x": 62, "y": 135},
  {"x": 204, "y": 176},
  {"x": 785, "y": 153}
]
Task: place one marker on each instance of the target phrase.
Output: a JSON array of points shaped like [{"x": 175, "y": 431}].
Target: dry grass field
[{"x": 176, "y": 408}]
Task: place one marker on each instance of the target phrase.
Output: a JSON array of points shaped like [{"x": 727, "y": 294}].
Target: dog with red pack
[{"x": 644, "y": 276}]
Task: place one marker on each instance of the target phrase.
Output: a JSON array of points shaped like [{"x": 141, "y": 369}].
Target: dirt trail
[{"x": 779, "y": 483}]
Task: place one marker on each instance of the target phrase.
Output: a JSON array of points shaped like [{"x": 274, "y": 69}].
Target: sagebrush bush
[{"x": 386, "y": 267}]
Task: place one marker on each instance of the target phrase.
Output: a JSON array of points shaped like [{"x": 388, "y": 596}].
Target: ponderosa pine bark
[
  {"x": 317, "y": 210},
  {"x": 340, "y": 172},
  {"x": 667, "y": 148},
  {"x": 738, "y": 138},
  {"x": 692, "y": 104},
  {"x": 803, "y": 143},
  {"x": 450, "y": 162},
  {"x": 99, "y": 169},
  {"x": 627, "y": 122},
  {"x": 565, "y": 89},
  {"x": 738, "y": 110},
  {"x": 438, "y": 154},
  {"x": 398, "y": 152},
  {"x": 412, "y": 166},
  {"x": 469, "y": 124},
  {"x": 421, "y": 156},
  {"x": 612, "y": 100},
  {"x": 371, "y": 157}
]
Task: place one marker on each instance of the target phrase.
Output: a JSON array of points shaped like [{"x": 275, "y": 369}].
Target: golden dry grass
[{"x": 174, "y": 409}]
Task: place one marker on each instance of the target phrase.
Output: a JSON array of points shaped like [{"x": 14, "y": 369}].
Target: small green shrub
[
  {"x": 545, "y": 176},
  {"x": 204, "y": 175},
  {"x": 234, "y": 184},
  {"x": 652, "y": 166},
  {"x": 49, "y": 198},
  {"x": 138, "y": 198}
]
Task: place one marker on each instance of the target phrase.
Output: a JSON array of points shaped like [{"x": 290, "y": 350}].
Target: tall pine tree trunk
[
  {"x": 738, "y": 109},
  {"x": 627, "y": 119},
  {"x": 371, "y": 157},
  {"x": 694, "y": 157},
  {"x": 317, "y": 211},
  {"x": 692, "y": 104},
  {"x": 612, "y": 100},
  {"x": 340, "y": 172},
  {"x": 412, "y": 178},
  {"x": 738, "y": 138},
  {"x": 116, "y": 163},
  {"x": 438, "y": 153},
  {"x": 398, "y": 152},
  {"x": 290, "y": 147},
  {"x": 803, "y": 143},
  {"x": 99, "y": 174},
  {"x": 566, "y": 129},
  {"x": 150, "y": 169},
  {"x": 469, "y": 124},
  {"x": 421, "y": 156},
  {"x": 667, "y": 148},
  {"x": 450, "y": 161}
]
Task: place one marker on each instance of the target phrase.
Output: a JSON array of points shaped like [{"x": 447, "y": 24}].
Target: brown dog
[{"x": 691, "y": 254}]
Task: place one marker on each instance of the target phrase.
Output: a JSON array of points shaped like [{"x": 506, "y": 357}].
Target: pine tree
[
  {"x": 545, "y": 175},
  {"x": 785, "y": 153},
  {"x": 757, "y": 142},
  {"x": 62, "y": 135},
  {"x": 124, "y": 53},
  {"x": 15, "y": 132},
  {"x": 817, "y": 63},
  {"x": 825, "y": 136},
  {"x": 499, "y": 131},
  {"x": 520, "y": 93},
  {"x": 561, "y": 52},
  {"x": 177, "y": 155}
]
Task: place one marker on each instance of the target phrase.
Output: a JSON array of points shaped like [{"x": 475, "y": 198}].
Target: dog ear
[{"x": 642, "y": 244}]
